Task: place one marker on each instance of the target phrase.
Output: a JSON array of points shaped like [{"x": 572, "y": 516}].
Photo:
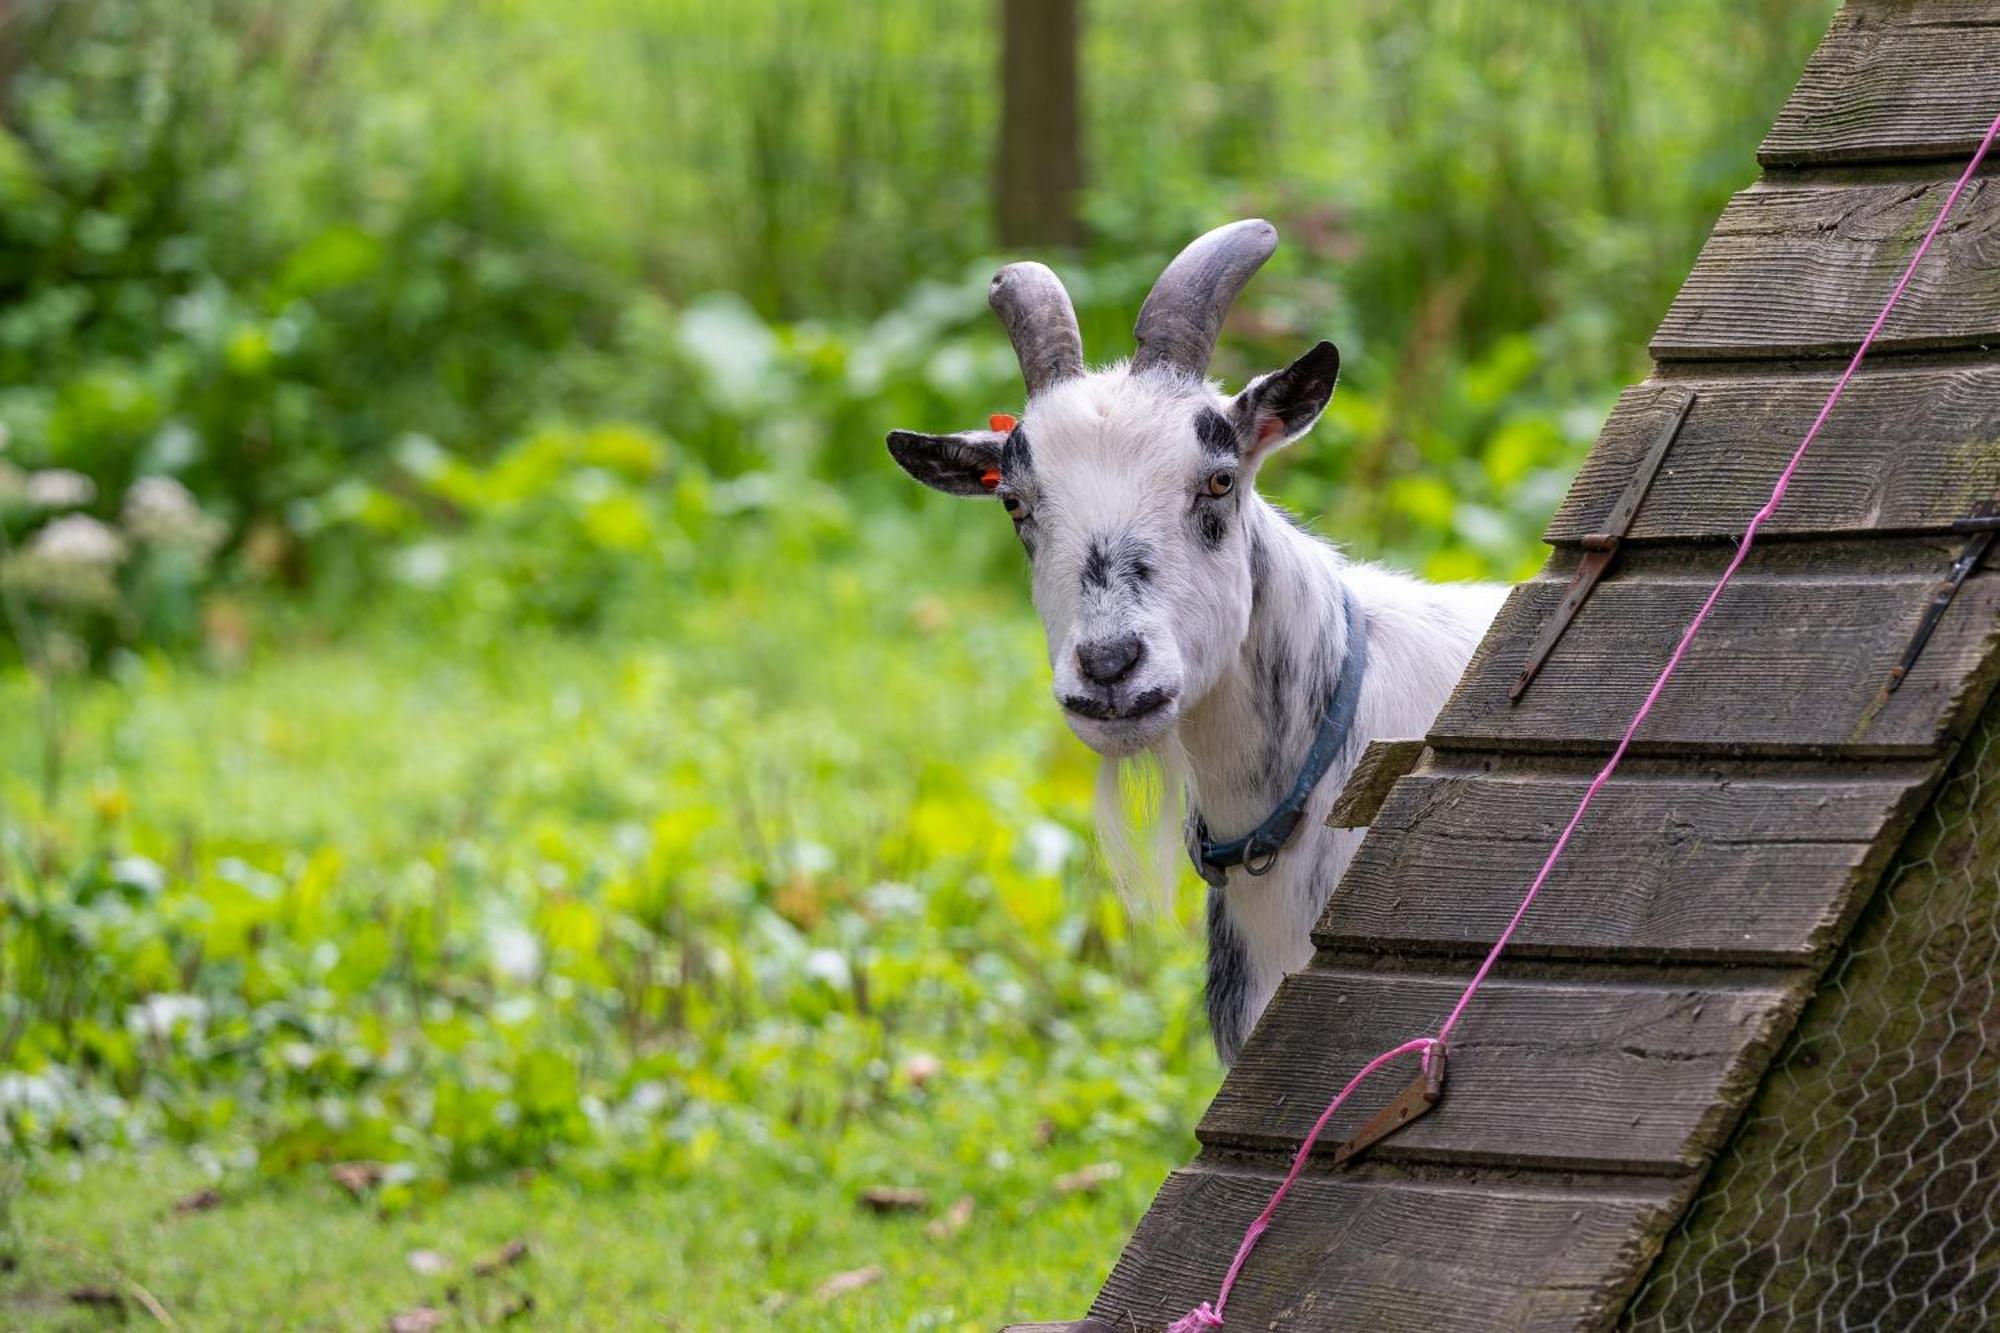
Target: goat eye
[
  {"x": 1220, "y": 483},
  {"x": 1016, "y": 507}
]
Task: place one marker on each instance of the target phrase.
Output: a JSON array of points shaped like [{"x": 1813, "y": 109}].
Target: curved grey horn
[
  {"x": 1183, "y": 313},
  {"x": 1041, "y": 323}
]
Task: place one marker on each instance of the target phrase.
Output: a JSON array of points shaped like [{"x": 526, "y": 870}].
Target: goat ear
[
  {"x": 967, "y": 463},
  {"x": 1279, "y": 407}
]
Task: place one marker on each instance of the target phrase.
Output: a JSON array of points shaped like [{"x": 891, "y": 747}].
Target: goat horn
[
  {"x": 1183, "y": 313},
  {"x": 1041, "y": 323}
]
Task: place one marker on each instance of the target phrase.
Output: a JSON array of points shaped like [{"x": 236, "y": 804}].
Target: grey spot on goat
[
  {"x": 1017, "y": 460},
  {"x": 1217, "y": 435},
  {"x": 1096, "y": 567},
  {"x": 1228, "y": 981}
]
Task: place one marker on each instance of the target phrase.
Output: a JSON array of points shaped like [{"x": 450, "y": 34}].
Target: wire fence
[{"x": 1862, "y": 1190}]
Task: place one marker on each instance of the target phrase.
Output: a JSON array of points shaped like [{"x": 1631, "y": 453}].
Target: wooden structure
[{"x": 1599, "y": 1085}]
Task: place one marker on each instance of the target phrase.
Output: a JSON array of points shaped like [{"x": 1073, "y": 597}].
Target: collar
[{"x": 1257, "y": 851}]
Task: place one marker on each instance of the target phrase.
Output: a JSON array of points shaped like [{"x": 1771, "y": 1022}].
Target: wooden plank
[
  {"x": 1804, "y": 270},
  {"x": 1623, "y": 1076},
  {"x": 1909, "y": 449},
  {"x": 1893, "y": 81},
  {"x": 1788, "y": 663},
  {"x": 1348, "y": 1252},
  {"x": 1709, "y": 867},
  {"x": 1369, "y": 782}
]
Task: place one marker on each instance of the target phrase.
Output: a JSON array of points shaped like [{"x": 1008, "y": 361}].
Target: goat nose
[{"x": 1110, "y": 660}]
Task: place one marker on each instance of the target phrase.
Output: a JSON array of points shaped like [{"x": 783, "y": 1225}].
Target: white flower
[
  {"x": 829, "y": 966},
  {"x": 1050, "y": 846},
  {"x": 157, "y": 506},
  {"x": 38, "y": 1094},
  {"x": 60, "y": 488},
  {"x": 162, "y": 511},
  {"x": 811, "y": 858},
  {"x": 141, "y": 874},
  {"x": 517, "y": 954},
  {"x": 648, "y": 1098},
  {"x": 890, "y": 899},
  {"x": 77, "y": 539},
  {"x": 159, "y": 1016},
  {"x": 423, "y": 564}
]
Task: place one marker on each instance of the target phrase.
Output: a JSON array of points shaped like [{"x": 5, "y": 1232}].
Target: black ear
[
  {"x": 967, "y": 463},
  {"x": 1279, "y": 407}
]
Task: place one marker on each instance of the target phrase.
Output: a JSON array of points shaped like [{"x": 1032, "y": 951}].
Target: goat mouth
[{"x": 1139, "y": 707}]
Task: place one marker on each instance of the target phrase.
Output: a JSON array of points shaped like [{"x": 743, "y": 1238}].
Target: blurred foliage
[
  {"x": 493, "y": 705},
  {"x": 492, "y": 897},
  {"x": 258, "y": 247}
]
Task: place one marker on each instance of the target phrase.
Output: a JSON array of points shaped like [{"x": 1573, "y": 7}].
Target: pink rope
[{"x": 1209, "y": 1315}]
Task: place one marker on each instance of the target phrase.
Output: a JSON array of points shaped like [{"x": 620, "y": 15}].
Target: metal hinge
[
  {"x": 1601, "y": 548},
  {"x": 1983, "y": 524},
  {"x": 1424, "y": 1092}
]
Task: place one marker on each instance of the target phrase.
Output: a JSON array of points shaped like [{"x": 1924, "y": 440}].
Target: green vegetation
[
  {"x": 751, "y": 1248},
  {"x": 475, "y": 699}
]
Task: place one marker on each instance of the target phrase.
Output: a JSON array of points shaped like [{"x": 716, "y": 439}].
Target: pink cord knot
[{"x": 1195, "y": 1320}]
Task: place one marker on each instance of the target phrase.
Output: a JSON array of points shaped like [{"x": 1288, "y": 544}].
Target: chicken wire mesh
[{"x": 1862, "y": 1189}]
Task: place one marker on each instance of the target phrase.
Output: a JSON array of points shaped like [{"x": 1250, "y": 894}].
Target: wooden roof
[{"x": 1594, "y": 1081}]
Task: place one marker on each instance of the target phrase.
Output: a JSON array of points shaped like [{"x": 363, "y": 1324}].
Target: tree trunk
[
  {"x": 1040, "y": 164},
  {"x": 10, "y": 50}
]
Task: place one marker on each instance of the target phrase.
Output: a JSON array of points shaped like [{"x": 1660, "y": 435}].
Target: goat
[{"x": 1188, "y": 616}]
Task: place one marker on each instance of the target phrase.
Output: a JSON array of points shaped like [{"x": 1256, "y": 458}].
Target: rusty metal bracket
[
  {"x": 1982, "y": 526},
  {"x": 1425, "y": 1091},
  {"x": 1600, "y": 548}
]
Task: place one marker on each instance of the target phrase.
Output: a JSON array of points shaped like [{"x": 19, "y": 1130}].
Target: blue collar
[{"x": 1257, "y": 851}]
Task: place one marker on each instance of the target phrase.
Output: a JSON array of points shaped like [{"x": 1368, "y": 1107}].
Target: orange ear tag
[{"x": 1003, "y": 423}]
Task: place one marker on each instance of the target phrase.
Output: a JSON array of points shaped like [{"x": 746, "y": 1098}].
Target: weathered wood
[
  {"x": 1788, "y": 662},
  {"x": 1799, "y": 271},
  {"x": 1062, "y": 1326},
  {"x": 1716, "y": 866},
  {"x": 1622, "y": 1076},
  {"x": 1357, "y": 1252},
  {"x": 1893, "y": 81},
  {"x": 1899, "y": 454},
  {"x": 1374, "y": 773}
]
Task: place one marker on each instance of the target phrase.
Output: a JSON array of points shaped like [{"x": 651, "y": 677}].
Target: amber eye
[
  {"x": 1016, "y": 507},
  {"x": 1220, "y": 483}
]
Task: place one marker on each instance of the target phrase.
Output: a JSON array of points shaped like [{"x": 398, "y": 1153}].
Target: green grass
[
  {"x": 801, "y": 875},
  {"x": 736, "y": 1249}
]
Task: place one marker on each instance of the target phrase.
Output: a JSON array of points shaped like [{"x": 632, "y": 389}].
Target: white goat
[{"x": 1187, "y": 615}]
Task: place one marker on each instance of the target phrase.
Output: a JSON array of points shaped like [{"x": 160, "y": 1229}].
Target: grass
[
  {"x": 799, "y": 923},
  {"x": 735, "y": 1250}
]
